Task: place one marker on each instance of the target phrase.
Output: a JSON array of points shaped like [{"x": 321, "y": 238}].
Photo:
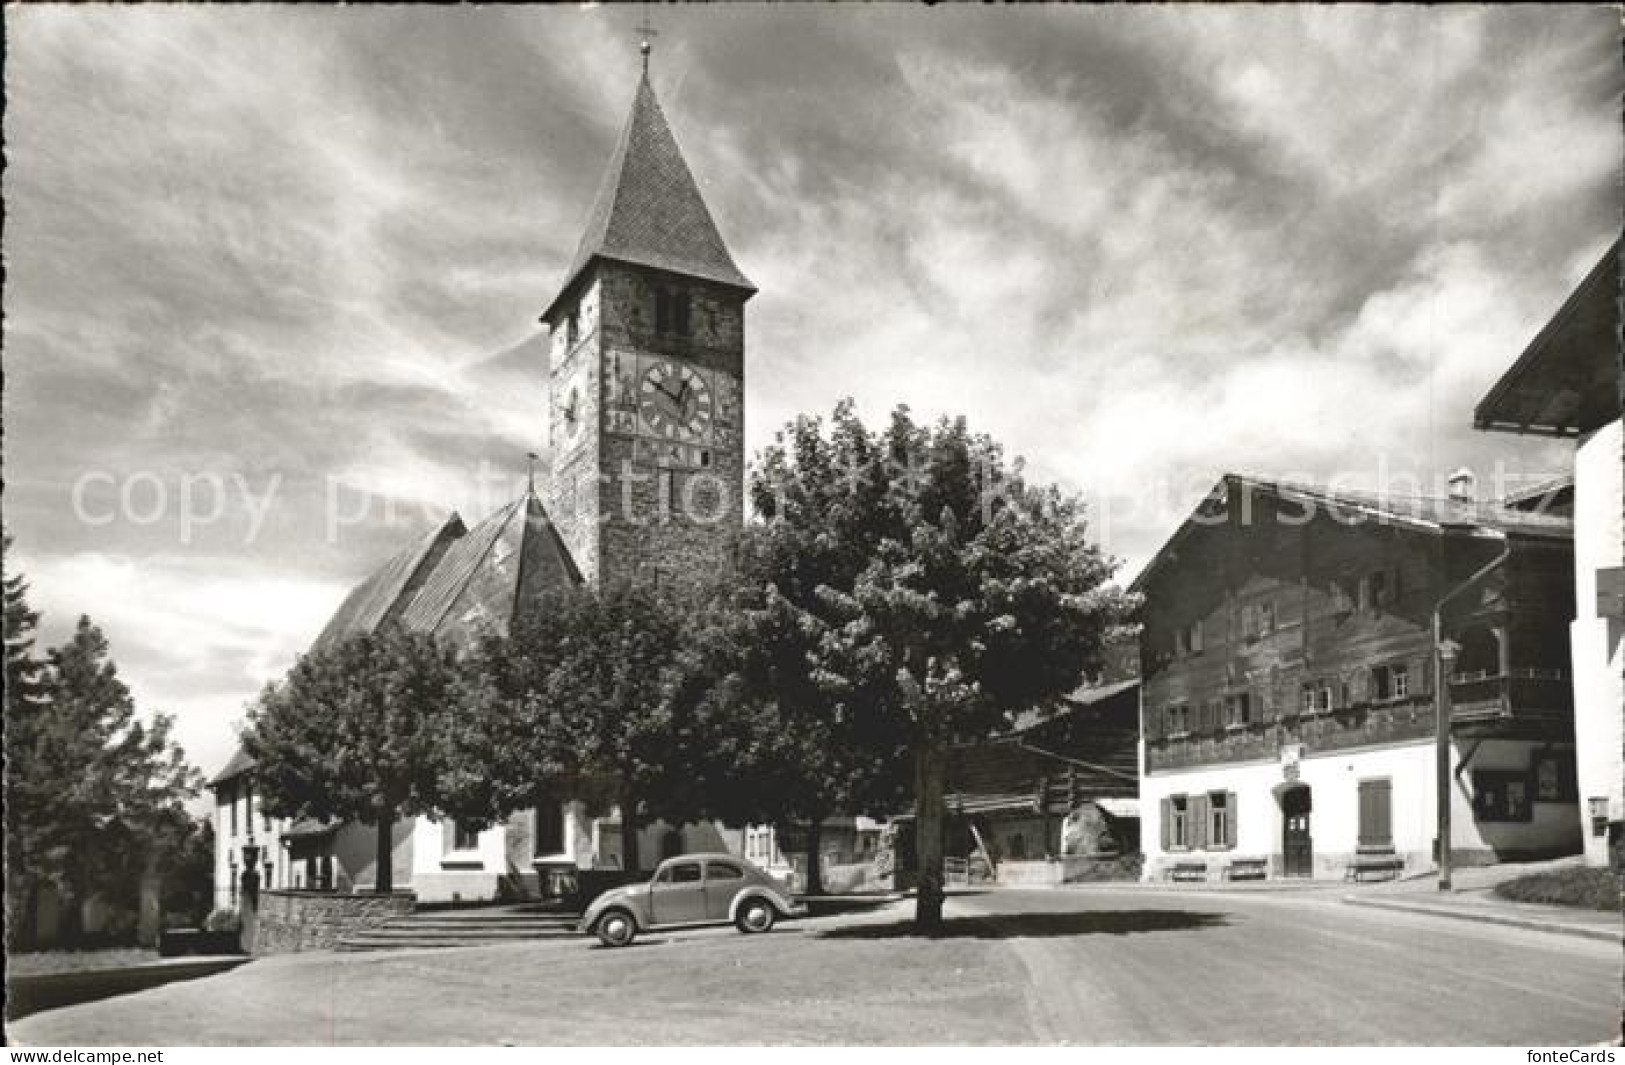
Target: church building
[{"x": 645, "y": 372}]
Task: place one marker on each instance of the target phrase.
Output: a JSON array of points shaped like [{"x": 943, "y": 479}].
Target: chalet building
[
  {"x": 1053, "y": 799},
  {"x": 1567, "y": 384},
  {"x": 1289, "y": 676},
  {"x": 645, "y": 368}
]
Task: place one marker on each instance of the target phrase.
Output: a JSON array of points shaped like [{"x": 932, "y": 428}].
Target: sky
[{"x": 273, "y": 273}]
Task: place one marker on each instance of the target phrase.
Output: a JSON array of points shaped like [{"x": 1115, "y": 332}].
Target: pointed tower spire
[{"x": 649, "y": 210}]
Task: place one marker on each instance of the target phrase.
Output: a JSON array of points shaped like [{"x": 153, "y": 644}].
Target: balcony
[{"x": 1485, "y": 696}]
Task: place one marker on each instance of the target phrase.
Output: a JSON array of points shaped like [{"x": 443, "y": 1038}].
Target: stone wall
[{"x": 292, "y": 921}]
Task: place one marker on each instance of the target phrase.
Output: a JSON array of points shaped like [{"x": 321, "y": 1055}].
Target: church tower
[{"x": 646, "y": 370}]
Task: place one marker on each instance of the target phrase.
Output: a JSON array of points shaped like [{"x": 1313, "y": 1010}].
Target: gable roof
[
  {"x": 1566, "y": 382},
  {"x": 1426, "y": 514},
  {"x": 383, "y": 595},
  {"x": 240, "y": 763},
  {"x": 487, "y": 576},
  {"x": 649, "y": 210}
]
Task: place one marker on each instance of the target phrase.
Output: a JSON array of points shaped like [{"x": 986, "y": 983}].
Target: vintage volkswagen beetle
[{"x": 690, "y": 890}]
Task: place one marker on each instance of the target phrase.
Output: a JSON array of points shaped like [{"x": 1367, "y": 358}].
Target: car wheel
[
  {"x": 756, "y": 915},
  {"x": 616, "y": 928}
]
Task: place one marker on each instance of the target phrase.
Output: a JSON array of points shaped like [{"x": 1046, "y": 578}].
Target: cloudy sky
[{"x": 260, "y": 259}]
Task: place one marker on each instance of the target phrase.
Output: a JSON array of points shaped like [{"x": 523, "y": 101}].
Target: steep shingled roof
[
  {"x": 1428, "y": 514},
  {"x": 383, "y": 595},
  {"x": 649, "y": 210},
  {"x": 511, "y": 558}
]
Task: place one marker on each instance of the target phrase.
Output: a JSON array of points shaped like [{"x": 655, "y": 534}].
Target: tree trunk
[
  {"x": 929, "y": 759},
  {"x": 384, "y": 878},
  {"x": 629, "y": 831},
  {"x": 815, "y": 872}
]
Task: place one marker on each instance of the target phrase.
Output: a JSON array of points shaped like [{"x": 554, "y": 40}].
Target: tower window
[
  {"x": 673, "y": 312},
  {"x": 572, "y": 327}
]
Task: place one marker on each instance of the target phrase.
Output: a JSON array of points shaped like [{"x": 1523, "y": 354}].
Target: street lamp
[{"x": 1447, "y": 650}]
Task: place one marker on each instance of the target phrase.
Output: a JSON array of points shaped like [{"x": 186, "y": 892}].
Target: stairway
[{"x": 464, "y": 927}]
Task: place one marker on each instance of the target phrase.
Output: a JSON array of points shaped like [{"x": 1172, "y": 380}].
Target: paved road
[
  {"x": 1120, "y": 965},
  {"x": 1184, "y": 967}
]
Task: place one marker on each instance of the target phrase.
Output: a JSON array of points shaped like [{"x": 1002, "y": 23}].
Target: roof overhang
[{"x": 1566, "y": 382}]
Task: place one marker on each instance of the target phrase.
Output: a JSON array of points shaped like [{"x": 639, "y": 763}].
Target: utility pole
[{"x": 1444, "y": 666}]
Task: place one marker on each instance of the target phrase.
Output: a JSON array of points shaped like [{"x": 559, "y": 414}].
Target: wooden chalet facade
[
  {"x": 1567, "y": 384},
  {"x": 1051, "y": 799},
  {"x": 1288, "y": 681}
]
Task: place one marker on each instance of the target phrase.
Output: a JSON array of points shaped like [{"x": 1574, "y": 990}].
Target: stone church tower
[{"x": 646, "y": 370}]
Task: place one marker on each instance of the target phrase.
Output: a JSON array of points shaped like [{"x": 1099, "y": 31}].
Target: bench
[
  {"x": 1247, "y": 869},
  {"x": 1188, "y": 871},
  {"x": 1374, "y": 866}
]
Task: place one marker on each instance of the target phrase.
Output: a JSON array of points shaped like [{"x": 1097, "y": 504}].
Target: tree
[
  {"x": 357, "y": 732},
  {"x": 769, "y": 746},
  {"x": 92, "y": 791},
  {"x": 577, "y": 695},
  {"x": 940, "y": 592}
]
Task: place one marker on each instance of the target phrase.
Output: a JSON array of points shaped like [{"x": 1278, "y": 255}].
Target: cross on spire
[{"x": 647, "y": 32}]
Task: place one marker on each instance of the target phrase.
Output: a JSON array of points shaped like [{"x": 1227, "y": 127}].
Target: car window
[
  {"x": 685, "y": 873},
  {"x": 664, "y": 876},
  {"x": 723, "y": 871}
]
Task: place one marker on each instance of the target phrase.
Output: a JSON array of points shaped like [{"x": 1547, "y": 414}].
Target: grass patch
[
  {"x": 70, "y": 961},
  {"x": 1587, "y": 888}
]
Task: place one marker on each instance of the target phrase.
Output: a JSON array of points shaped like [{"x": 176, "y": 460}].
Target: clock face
[{"x": 675, "y": 402}]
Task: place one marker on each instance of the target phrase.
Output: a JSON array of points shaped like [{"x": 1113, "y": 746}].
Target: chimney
[{"x": 1461, "y": 486}]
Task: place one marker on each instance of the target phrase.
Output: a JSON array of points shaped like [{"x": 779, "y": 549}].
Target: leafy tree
[
  {"x": 769, "y": 746},
  {"x": 578, "y": 695},
  {"x": 92, "y": 791},
  {"x": 357, "y": 732},
  {"x": 188, "y": 882},
  {"x": 938, "y": 591}
]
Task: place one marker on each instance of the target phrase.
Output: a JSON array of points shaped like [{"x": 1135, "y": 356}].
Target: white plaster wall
[
  {"x": 1334, "y": 824},
  {"x": 1598, "y": 644}
]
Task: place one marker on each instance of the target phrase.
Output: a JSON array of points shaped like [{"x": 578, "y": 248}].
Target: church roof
[
  {"x": 649, "y": 210},
  {"x": 487, "y": 576},
  {"x": 241, "y": 762},
  {"x": 382, "y": 596}
]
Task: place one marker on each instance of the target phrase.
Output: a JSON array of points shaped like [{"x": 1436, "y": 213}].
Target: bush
[
  {"x": 1591, "y": 889},
  {"x": 223, "y": 921}
]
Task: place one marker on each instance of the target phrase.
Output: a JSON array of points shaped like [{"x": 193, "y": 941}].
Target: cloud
[{"x": 298, "y": 248}]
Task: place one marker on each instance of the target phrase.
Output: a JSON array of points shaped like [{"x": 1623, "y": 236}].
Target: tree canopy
[
  {"x": 93, "y": 789},
  {"x": 936, "y": 591},
  {"x": 357, "y": 731}
]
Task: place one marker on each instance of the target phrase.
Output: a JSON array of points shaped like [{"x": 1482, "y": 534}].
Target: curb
[{"x": 1534, "y": 924}]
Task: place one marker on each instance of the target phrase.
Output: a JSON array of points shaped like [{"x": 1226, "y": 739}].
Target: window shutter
[
  {"x": 1382, "y": 800},
  {"x": 1196, "y": 832},
  {"x": 1167, "y": 823},
  {"x": 1230, "y": 819}
]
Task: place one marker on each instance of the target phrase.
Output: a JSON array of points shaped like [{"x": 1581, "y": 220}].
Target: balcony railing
[{"x": 1484, "y": 695}]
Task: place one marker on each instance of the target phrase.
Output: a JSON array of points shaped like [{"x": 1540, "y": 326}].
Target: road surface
[{"x": 1121, "y": 965}]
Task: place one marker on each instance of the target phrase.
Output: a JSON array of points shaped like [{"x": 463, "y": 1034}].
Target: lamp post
[{"x": 1446, "y": 651}]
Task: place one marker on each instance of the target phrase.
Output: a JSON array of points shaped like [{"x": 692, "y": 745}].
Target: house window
[
  {"x": 1501, "y": 795},
  {"x": 464, "y": 837},
  {"x": 233, "y": 806},
  {"x": 248, "y": 808},
  {"x": 1317, "y": 697},
  {"x": 1376, "y": 815},
  {"x": 1178, "y": 828},
  {"x": 1238, "y": 709},
  {"x": 1189, "y": 638},
  {"x": 1221, "y": 819},
  {"x": 1179, "y": 720},
  {"x": 1390, "y": 682}
]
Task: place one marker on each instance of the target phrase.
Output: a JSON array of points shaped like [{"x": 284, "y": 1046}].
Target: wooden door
[{"x": 1297, "y": 845}]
